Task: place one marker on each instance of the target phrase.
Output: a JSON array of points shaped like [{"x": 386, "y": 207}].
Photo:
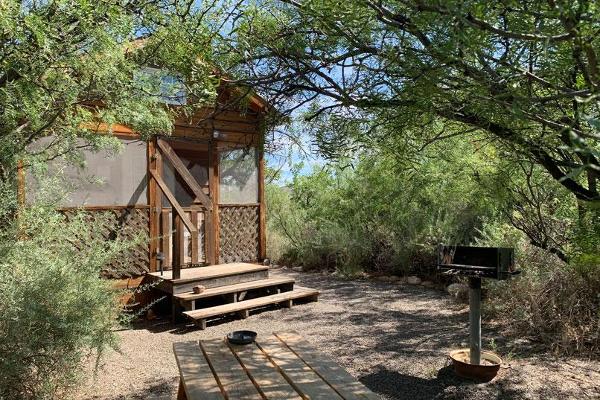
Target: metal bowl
[
  {"x": 482, "y": 373},
  {"x": 241, "y": 337}
]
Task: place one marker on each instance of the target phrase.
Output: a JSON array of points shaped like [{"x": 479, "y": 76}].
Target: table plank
[
  {"x": 297, "y": 373},
  {"x": 198, "y": 380},
  {"x": 265, "y": 375},
  {"x": 337, "y": 377},
  {"x": 235, "y": 382}
]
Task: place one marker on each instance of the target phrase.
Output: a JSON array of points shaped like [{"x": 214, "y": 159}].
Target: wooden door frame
[{"x": 154, "y": 174}]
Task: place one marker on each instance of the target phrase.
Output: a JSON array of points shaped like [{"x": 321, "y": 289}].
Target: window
[
  {"x": 108, "y": 179},
  {"x": 238, "y": 171}
]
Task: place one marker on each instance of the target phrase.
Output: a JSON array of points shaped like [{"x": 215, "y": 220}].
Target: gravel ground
[{"x": 392, "y": 337}]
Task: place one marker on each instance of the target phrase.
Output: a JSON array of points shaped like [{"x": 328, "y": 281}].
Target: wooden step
[
  {"x": 210, "y": 277},
  {"x": 239, "y": 287},
  {"x": 200, "y": 315}
]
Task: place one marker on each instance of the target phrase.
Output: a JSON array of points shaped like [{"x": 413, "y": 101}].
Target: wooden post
[
  {"x": 213, "y": 184},
  {"x": 154, "y": 201},
  {"x": 178, "y": 255},
  {"x": 475, "y": 320},
  {"x": 262, "y": 217},
  {"x": 194, "y": 237},
  {"x": 167, "y": 234}
]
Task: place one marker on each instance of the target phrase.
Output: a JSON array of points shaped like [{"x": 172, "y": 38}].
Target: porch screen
[
  {"x": 107, "y": 179},
  {"x": 238, "y": 171},
  {"x": 196, "y": 162}
]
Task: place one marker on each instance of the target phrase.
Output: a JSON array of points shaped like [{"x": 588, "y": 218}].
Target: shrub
[
  {"x": 55, "y": 308},
  {"x": 378, "y": 216},
  {"x": 551, "y": 302}
]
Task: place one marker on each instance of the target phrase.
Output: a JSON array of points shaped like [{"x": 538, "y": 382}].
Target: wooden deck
[
  {"x": 228, "y": 288},
  {"x": 210, "y": 272},
  {"x": 281, "y": 366},
  {"x": 209, "y": 277}
]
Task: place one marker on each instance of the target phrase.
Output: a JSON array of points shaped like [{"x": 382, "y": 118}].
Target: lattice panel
[
  {"x": 124, "y": 224},
  {"x": 239, "y": 233}
]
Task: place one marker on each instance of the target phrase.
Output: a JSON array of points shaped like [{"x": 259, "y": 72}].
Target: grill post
[{"x": 475, "y": 320}]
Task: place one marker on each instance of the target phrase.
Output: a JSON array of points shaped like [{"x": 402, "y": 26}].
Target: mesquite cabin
[{"x": 197, "y": 194}]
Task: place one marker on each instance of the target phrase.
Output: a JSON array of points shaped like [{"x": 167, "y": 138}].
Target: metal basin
[{"x": 484, "y": 372}]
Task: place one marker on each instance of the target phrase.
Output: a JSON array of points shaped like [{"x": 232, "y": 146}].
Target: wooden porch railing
[{"x": 201, "y": 202}]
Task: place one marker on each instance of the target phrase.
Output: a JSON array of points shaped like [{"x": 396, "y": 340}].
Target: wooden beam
[
  {"x": 165, "y": 189},
  {"x": 187, "y": 177},
  {"x": 262, "y": 217},
  {"x": 178, "y": 248},
  {"x": 167, "y": 233},
  {"x": 213, "y": 179},
  {"x": 154, "y": 200},
  {"x": 194, "y": 237}
]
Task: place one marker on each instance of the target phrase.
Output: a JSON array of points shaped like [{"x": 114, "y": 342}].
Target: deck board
[
  {"x": 300, "y": 375},
  {"x": 250, "y": 304},
  {"x": 264, "y": 374},
  {"x": 211, "y": 272},
  {"x": 344, "y": 383},
  {"x": 196, "y": 376},
  {"x": 233, "y": 378},
  {"x": 188, "y": 296}
]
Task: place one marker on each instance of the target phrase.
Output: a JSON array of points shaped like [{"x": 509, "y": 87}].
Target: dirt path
[{"x": 392, "y": 337}]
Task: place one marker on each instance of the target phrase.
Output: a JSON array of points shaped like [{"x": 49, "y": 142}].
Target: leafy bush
[
  {"x": 55, "y": 308},
  {"x": 379, "y": 216},
  {"x": 551, "y": 302}
]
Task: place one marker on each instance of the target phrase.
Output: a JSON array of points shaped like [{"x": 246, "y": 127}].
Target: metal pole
[{"x": 475, "y": 320}]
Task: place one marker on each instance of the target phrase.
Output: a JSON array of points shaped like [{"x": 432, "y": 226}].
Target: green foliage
[
  {"x": 524, "y": 73},
  {"x": 66, "y": 65},
  {"x": 551, "y": 303},
  {"x": 378, "y": 215},
  {"x": 55, "y": 307}
]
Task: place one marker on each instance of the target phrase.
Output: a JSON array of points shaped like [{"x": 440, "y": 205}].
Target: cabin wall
[
  {"x": 125, "y": 223},
  {"x": 127, "y": 204}
]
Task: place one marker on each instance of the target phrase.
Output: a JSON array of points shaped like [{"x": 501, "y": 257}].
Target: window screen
[
  {"x": 238, "y": 170},
  {"x": 107, "y": 179},
  {"x": 197, "y": 163}
]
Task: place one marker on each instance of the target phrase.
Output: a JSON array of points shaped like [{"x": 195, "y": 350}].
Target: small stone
[
  {"x": 394, "y": 278},
  {"x": 297, "y": 269},
  {"x": 383, "y": 278},
  {"x": 198, "y": 289},
  {"x": 413, "y": 280},
  {"x": 427, "y": 283}
]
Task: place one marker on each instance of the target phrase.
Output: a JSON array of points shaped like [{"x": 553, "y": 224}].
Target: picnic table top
[{"x": 278, "y": 366}]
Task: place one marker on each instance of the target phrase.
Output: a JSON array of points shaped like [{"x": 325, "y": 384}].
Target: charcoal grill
[
  {"x": 483, "y": 262},
  {"x": 476, "y": 263}
]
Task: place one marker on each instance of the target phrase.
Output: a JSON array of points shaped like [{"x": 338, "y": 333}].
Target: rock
[
  {"x": 413, "y": 280},
  {"x": 383, "y": 278},
  {"x": 459, "y": 291},
  {"x": 427, "y": 283},
  {"x": 198, "y": 289},
  {"x": 394, "y": 278},
  {"x": 297, "y": 269}
]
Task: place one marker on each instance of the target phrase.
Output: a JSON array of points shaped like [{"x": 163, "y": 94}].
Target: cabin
[{"x": 197, "y": 195}]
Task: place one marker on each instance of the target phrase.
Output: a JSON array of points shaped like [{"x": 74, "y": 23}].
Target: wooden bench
[
  {"x": 243, "y": 307},
  {"x": 280, "y": 366}
]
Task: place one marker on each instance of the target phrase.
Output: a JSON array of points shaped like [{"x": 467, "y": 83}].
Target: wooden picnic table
[{"x": 279, "y": 366}]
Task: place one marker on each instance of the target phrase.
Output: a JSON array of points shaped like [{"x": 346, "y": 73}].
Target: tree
[
  {"x": 69, "y": 69},
  {"x": 526, "y": 73}
]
